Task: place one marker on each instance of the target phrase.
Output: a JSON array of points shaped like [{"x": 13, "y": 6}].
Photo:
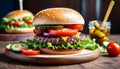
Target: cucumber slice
[
  {"x": 16, "y": 47},
  {"x": 105, "y": 43},
  {"x": 103, "y": 48},
  {"x": 8, "y": 46},
  {"x": 45, "y": 27}
]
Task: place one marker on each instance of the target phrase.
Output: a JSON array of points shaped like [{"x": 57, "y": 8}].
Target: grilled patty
[{"x": 56, "y": 40}]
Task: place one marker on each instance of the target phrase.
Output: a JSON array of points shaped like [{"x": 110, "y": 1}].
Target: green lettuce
[
  {"x": 86, "y": 44},
  {"x": 5, "y": 22}
]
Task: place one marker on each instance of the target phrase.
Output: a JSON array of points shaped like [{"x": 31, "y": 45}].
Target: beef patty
[{"x": 56, "y": 40}]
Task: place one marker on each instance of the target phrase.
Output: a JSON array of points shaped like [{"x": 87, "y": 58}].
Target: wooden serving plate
[
  {"x": 46, "y": 59},
  {"x": 15, "y": 37}
]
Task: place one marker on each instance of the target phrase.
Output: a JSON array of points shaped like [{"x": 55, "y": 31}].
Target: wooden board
[
  {"x": 46, "y": 59},
  {"x": 15, "y": 37}
]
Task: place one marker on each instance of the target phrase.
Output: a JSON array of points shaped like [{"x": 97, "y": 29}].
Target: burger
[
  {"x": 57, "y": 30},
  {"x": 18, "y": 22}
]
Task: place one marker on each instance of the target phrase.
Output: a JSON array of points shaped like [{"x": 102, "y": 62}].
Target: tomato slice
[
  {"x": 30, "y": 52},
  {"x": 38, "y": 31},
  {"x": 63, "y": 32},
  {"x": 28, "y": 21},
  {"x": 75, "y": 26},
  {"x": 6, "y": 49},
  {"x": 16, "y": 23}
]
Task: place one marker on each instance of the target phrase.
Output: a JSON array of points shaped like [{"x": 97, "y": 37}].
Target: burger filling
[
  {"x": 25, "y": 22},
  {"x": 59, "y": 36}
]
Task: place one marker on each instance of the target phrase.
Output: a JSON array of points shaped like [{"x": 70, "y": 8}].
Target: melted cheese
[
  {"x": 78, "y": 34},
  {"x": 66, "y": 37}
]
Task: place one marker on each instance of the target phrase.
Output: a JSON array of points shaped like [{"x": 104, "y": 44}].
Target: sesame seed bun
[
  {"x": 18, "y": 14},
  {"x": 58, "y": 16},
  {"x": 19, "y": 30},
  {"x": 62, "y": 51}
]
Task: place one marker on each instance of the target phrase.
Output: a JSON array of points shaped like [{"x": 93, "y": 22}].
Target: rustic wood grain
[{"x": 103, "y": 62}]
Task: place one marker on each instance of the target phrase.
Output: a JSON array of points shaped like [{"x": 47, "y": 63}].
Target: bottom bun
[
  {"x": 62, "y": 51},
  {"x": 19, "y": 30}
]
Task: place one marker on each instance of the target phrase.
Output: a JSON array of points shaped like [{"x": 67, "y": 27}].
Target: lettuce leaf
[
  {"x": 86, "y": 44},
  {"x": 5, "y": 22}
]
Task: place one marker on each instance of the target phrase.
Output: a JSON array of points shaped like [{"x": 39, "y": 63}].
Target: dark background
[{"x": 90, "y": 9}]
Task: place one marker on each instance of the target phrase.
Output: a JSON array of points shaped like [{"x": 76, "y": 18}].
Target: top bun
[
  {"x": 58, "y": 16},
  {"x": 18, "y": 14}
]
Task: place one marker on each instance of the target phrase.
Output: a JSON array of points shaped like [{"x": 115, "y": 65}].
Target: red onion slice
[{"x": 46, "y": 34}]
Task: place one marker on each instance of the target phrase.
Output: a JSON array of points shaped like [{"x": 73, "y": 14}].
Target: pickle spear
[{"x": 46, "y": 27}]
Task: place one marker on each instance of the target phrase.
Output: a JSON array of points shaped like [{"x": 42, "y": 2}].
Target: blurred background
[{"x": 89, "y": 9}]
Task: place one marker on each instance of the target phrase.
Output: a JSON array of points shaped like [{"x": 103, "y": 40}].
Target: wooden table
[{"x": 103, "y": 62}]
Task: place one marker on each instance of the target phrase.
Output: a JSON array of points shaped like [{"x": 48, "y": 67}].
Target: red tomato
[
  {"x": 6, "y": 49},
  {"x": 30, "y": 52},
  {"x": 38, "y": 31},
  {"x": 113, "y": 49},
  {"x": 28, "y": 21},
  {"x": 63, "y": 32},
  {"x": 75, "y": 26},
  {"x": 16, "y": 23}
]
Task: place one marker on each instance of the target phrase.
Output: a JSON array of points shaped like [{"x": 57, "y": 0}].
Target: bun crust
[
  {"x": 63, "y": 51},
  {"x": 58, "y": 16},
  {"x": 19, "y": 30},
  {"x": 18, "y": 14}
]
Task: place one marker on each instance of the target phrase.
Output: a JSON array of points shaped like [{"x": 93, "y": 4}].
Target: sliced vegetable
[
  {"x": 46, "y": 34},
  {"x": 49, "y": 27},
  {"x": 103, "y": 48},
  {"x": 28, "y": 21},
  {"x": 16, "y": 47},
  {"x": 28, "y": 18},
  {"x": 113, "y": 49},
  {"x": 75, "y": 26},
  {"x": 38, "y": 31},
  {"x": 5, "y": 20},
  {"x": 8, "y": 47},
  {"x": 30, "y": 52},
  {"x": 16, "y": 23},
  {"x": 63, "y": 32}
]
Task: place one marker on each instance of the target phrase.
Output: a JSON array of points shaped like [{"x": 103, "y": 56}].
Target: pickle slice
[
  {"x": 97, "y": 26},
  {"x": 99, "y": 33},
  {"x": 45, "y": 27}
]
